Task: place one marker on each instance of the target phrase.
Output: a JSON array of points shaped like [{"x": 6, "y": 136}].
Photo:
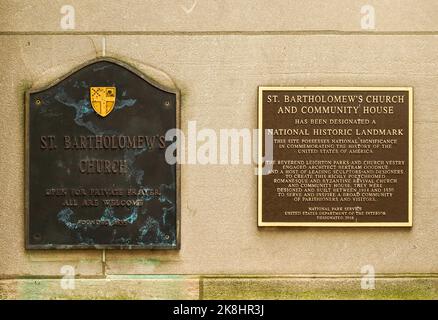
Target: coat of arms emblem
[{"x": 103, "y": 99}]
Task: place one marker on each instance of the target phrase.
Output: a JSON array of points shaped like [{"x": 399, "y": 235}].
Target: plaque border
[
  {"x": 149, "y": 80},
  {"x": 260, "y": 222}
]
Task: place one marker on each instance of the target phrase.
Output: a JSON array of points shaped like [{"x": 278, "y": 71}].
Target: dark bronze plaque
[
  {"x": 341, "y": 156},
  {"x": 96, "y": 172}
]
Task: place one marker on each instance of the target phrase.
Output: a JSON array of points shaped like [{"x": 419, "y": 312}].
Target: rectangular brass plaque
[
  {"x": 341, "y": 156},
  {"x": 96, "y": 171}
]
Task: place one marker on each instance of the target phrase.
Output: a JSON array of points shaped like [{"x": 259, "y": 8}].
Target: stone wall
[{"x": 217, "y": 53}]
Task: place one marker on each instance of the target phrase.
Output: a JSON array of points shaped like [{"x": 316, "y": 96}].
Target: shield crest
[{"x": 103, "y": 99}]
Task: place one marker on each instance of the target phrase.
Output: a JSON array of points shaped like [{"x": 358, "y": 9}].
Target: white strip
[{"x": 103, "y": 46}]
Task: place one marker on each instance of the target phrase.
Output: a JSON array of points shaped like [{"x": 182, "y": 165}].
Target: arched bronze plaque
[{"x": 96, "y": 172}]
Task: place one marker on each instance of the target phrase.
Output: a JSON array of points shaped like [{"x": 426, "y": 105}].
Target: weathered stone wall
[{"x": 217, "y": 53}]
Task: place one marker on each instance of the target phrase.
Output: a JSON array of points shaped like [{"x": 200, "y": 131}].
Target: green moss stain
[
  {"x": 415, "y": 289},
  {"x": 32, "y": 289},
  {"x": 179, "y": 287},
  {"x": 149, "y": 262}
]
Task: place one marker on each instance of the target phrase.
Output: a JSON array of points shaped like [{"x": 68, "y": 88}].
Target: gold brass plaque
[{"x": 335, "y": 156}]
